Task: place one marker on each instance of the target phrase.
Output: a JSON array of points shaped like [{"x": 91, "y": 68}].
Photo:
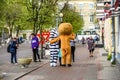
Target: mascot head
[{"x": 65, "y": 29}]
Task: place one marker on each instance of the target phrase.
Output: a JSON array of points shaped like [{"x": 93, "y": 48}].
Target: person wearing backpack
[
  {"x": 9, "y": 44},
  {"x": 13, "y": 50}
]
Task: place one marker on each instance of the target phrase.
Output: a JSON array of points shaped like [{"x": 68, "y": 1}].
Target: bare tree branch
[
  {"x": 66, "y": 3},
  {"x": 55, "y": 2}
]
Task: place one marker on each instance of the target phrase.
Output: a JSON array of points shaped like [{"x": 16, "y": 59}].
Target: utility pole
[{"x": 113, "y": 60}]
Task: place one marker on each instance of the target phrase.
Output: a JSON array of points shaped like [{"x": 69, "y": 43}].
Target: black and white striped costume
[{"x": 54, "y": 48}]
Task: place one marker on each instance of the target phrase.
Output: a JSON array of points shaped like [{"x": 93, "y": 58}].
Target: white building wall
[{"x": 85, "y": 8}]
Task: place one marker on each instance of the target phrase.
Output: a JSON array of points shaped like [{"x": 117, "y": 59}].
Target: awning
[{"x": 117, "y": 3}]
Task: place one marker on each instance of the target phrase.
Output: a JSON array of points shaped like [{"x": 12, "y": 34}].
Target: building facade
[
  {"x": 110, "y": 21},
  {"x": 87, "y": 9}
]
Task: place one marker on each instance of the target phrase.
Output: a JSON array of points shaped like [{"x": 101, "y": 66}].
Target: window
[
  {"x": 91, "y": 18},
  {"x": 71, "y": 5},
  {"x": 91, "y": 6},
  {"x": 81, "y": 6}
]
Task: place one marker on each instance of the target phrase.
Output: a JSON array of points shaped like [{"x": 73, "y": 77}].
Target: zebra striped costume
[{"x": 54, "y": 48}]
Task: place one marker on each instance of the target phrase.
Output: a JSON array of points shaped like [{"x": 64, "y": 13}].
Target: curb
[{"x": 31, "y": 71}]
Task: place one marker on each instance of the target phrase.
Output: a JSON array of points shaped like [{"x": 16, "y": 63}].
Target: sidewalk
[
  {"x": 106, "y": 70},
  {"x": 10, "y": 71},
  {"x": 84, "y": 68},
  {"x": 14, "y": 71}
]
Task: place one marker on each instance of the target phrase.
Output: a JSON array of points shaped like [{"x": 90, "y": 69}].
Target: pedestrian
[
  {"x": 35, "y": 46},
  {"x": 13, "y": 50},
  {"x": 83, "y": 41},
  {"x": 60, "y": 54},
  {"x": 54, "y": 48},
  {"x": 72, "y": 43},
  {"x": 91, "y": 45},
  {"x": 96, "y": 38}
]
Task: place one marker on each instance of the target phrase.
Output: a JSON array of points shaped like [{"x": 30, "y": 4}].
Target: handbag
[{"x": 8, "y": 48}]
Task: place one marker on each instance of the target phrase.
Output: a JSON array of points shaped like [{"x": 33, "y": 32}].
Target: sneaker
[
  {"x": 63, "y": 65},
  {"x": 35, "y": 61},
  {"x": 54, "y": 64},
  {"x": 51, "y": 64},
  {"x": 60, "y": 64},
  {"x": 22, "y": 67},
  {"x": 12, "y": 62},
  {"x": 39, "y": 60},
  {"x": 16, "y": 63},
  {"x": 69, "y": 65}
]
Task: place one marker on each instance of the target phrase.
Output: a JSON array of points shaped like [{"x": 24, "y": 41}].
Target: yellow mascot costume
[{"x": 65, "y": 31}]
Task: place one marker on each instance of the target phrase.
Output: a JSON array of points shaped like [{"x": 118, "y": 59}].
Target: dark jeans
[
  {"x": 13, "y": 58},
  {"x": 60, "y": 61},
  {"x": 35, "y": 55},
  {"x": 73, "y": 53}
]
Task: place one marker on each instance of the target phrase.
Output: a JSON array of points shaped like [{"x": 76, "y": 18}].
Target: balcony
[
  {"x": 100, "y": 4},
  {"x": 99, "y": 11},
  {"x": 100, "y": 15}
]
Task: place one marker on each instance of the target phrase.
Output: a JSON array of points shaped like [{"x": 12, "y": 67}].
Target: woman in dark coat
[{"x": 13, "y": 50}]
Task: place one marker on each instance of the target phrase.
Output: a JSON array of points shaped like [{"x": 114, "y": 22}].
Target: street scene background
[{"x": 84, "y": 67}]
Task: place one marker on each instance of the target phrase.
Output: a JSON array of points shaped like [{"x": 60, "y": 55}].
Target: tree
[
  {"x": 12, "y": 14},
  {"x": 15, "y": 15},
  {"x": 40, "y": 14},
  {"x": 2, "y": 9},
  {"x": 69, "y": 15}
]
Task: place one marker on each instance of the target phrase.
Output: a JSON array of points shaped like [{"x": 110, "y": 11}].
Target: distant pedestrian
[
  {"x": 21, "y": 39},
  {"x": 91, "y": 45},
  {"x": 96, "y": 38},
  {"x": 72, "y": 43},
  {"x": 83, "y": 41},
  {"x": 35, "y": 46},
  {"x": 13, "y": 50}
]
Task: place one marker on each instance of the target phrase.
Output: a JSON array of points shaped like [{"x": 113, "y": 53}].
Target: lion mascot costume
[{"x": 65, "y": 35}]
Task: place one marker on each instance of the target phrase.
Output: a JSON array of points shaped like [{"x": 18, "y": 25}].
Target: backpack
[{"x": 8, "y": 48}]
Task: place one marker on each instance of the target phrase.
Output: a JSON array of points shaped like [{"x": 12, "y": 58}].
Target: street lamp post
[{"x": 59, "y": 17}]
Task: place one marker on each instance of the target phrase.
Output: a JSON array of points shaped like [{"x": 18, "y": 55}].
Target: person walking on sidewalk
[
  {"x": 13, "y": 50},
  {"x": 91, "y": 45},
  {"x": 83, "y": 41},
  {"x": 72, "y": 43},
  {"x": 35, "y": 45}
]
